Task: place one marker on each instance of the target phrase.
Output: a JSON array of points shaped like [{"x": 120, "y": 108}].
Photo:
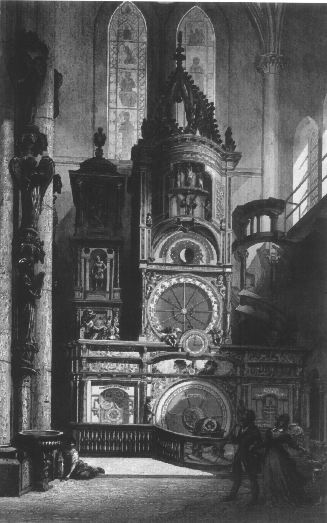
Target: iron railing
[{"x": 297, "y": 206}]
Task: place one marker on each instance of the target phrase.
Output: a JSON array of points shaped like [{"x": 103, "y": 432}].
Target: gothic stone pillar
[
  {"x": 41, "y": 410},
  {"x": 270, "y": 66},
  {"x": 7, "y": 31}
]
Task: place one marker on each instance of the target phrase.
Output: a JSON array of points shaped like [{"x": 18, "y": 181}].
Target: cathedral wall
[
  {"x": 238, "y": 84},
  {"x": 245, "y": 94},
  {"x": 303, "y": 81}
]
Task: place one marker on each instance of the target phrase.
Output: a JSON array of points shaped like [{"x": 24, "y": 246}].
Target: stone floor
[
  {"x": 154, "y": 498},
  {"x": 116, "y": 467}
]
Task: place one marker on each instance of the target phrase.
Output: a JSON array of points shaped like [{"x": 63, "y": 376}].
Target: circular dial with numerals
[{"x": 183, "y": 302}]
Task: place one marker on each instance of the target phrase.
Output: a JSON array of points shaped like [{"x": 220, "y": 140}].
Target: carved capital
[{"x": 270, "y": 63}]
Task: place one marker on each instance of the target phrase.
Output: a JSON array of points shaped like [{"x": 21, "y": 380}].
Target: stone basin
[
  {"x": 28, "y": 439},
  {"x": 41, "y": 434}
]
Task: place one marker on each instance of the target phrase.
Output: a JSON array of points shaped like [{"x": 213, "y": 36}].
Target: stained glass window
[
  {"x": 126, "y": 79},
  {"x": 200, "y": 49}
]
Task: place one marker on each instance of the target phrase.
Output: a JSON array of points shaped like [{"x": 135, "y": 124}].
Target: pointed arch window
[
  {"x": 305, "y": 168},
  {"x": 199, "y": 43},
  {"x": 127, "y": 56}
]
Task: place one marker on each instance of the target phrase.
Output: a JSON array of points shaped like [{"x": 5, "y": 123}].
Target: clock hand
[
  {"x": 190, "y": 324},
  {"x": 172, "y": 290},
  {"x": 191, "y": 297},
  {"x": 201, "y": 312},
  {"x": 199, "y": 303},
  {"x": 197, "y": 319},
  {"x": 168, "y": 319},
  {"x": 169, "y": 303}
]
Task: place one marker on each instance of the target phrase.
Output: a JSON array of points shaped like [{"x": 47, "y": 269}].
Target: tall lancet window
[
  {"x": 127, "y": 40},
  {"x": 199, "y": 42}
]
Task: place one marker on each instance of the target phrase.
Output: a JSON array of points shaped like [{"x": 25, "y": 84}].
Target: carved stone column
[
  {"x": 270, "y": 65},
  {"x": 33, "y": 171},
  {"x": 7, "y": 31},
  {"x": 45, "y": 121}
]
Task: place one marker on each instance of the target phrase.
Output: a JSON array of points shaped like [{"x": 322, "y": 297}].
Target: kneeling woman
[{"x": 76, "y": 468}]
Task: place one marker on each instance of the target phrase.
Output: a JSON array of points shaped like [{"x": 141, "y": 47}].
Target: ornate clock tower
[{"x": 181, "y": 176}]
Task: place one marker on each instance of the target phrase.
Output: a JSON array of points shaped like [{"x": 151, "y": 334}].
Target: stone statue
[
  {"x": 33, "y": 174},
  {"x": 148, "y": 414},
  {"x": 27, "y": 71},
  {"x": 30, "y": 287},
  {"x": 98, "y": 273}
]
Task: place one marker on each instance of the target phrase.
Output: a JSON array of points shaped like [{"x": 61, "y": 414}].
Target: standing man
[{"x": 248, "y": 438}]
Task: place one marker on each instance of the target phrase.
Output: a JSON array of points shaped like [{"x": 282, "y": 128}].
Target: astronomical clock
[
  {"x": 184, "y": 218},
  {"x": 178, "y": 369},
  {"x": 181, "y": 190}
]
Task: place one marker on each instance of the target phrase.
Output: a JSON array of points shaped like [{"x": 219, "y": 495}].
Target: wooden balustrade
[
  {"x": 134, "y": 440},
  {"x": 114, "y": 440}
]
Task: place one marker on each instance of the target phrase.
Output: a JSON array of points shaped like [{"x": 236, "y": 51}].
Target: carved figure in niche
[
  {"x": 27, "y": 70},
  {"x": 127, "y": 96},
  {"x": 200, "y": 181},
  {"x": 126, "y": 129},
  {"x": 190, "y": 176},
  {"x": 98, "y": 273},
  {"x": 91, "y": 331},
  {"x": 148, "y": 221},
  {"x": 127, "y": 55},
  {"x": 188, "y": 204},
  {"x": 197, "y": 71},
  {"x": 148, "y": 414},
  {"x": 179, "y": 177},
  {"x": 196, "y": 36},
  {"x": 30, "y": 290}
]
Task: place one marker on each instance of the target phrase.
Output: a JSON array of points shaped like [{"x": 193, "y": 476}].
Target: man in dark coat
[{"x": 248, "y": 438}]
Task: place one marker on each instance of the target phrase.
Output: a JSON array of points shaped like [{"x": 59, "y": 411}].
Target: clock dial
[
  {"x": 194, "y": 342},
  {"x": 185, "y": 404},
  {"x": 185, "y": 303}
]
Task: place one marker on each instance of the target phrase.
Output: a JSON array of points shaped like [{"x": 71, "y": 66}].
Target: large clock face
[
  {"x": 183, "y": 302},
  {"x": 181, "y": 407}
]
